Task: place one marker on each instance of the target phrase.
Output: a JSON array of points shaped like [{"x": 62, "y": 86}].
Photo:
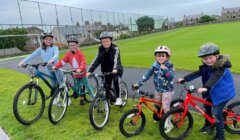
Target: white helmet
[{"x": 163, "y": 49}]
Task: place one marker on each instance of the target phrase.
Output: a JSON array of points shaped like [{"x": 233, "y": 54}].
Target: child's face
[
  {"x": 209, "y": 60},
  {"x": 161, "y": 58},
  {"x": 48, "y": 41},
  {"x": 106, "y": 42},
  {"x": 73, "y": 46}
]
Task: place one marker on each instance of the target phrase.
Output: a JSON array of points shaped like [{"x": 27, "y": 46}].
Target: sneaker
[
  {"x": 168, "y": 128},
  {"x": 82, "y": 102},
  {"x": 74, "y": 95},
  {"x": 206, "y": 129},
  {"x": 69, "y": 102},
  {"x": 118, "y": 101}
]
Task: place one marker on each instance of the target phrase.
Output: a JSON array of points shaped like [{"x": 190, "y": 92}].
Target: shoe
[
  {"x": 82, "y": 102},
  {"x": 206, "y": 129},
  {"x": 118, "y": 102},
  {"x": 74, "y": 95},
  {"x": 168, "y": 128}
]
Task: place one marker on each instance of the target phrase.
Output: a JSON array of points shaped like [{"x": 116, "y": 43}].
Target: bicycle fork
[{"x": 34, "y": 101}]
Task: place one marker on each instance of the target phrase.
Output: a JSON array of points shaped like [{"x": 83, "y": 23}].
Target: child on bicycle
[
  {"x": 109, "y": 58},
  {"x": 163, "y": 73},
  {"x": 49, "y": 54},
  {"x": 218, "y": 85},
  {"x": 78, "y": 62}
]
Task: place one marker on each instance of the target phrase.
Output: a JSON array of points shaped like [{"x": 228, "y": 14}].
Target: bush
[
  {"x": 124, "y": 36},
  {"x": 9, "y": 42}
]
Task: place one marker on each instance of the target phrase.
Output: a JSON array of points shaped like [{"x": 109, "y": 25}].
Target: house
[
  {"x": 191, "y": 19},
  {"x": 35, "y": 40},
  {"x": 230, "y": 13},
  {"x": 62, "y": 33}
]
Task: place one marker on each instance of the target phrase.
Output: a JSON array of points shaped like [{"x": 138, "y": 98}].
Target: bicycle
[
  {"x": 59, "y": 101},
  {"x": 99, "y": 109},
  {"x": 30, "y": 97},
  {"x": 182, "y": 119},
  {"x": 135, "y": 118}
]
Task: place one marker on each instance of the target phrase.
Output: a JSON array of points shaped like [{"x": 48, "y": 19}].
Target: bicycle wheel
[
  {"x": 131, "y": 123},
  {"x": 124, "y": 93},
  {"x": 94, "y": 85},
  {"x": 99, "y": 112},
  {"x": 28, "y": 104},
  {"x": 232, "y": 118},
  {"x": 172, "y": 120},
  {"x": 58, "y": 106}
]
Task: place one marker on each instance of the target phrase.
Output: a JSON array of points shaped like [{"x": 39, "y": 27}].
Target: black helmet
[
  {"x": 105, "y": 35},
  {"x": 46, "y": 34},
  {"x": 208, "y": 49},
  {"x": 72, "y": 39}
]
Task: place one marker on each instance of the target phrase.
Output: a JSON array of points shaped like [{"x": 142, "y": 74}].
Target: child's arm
[
  {"x": 94, "y": 64},
  {"x": 82, "y": 66},
  {"x": 215, "y": 76},
  {"x": 192, "y": 76},
  {"x": 55, "y": 55},
  {"x": 147, "y": 76},
  {"x": 32, "y": 56},
  {"x": 63, "y": 61},
  {"x": 169, "y": 72},
  {"x": 116, "y": 59}
]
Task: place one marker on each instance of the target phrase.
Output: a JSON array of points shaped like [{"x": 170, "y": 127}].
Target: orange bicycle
[{"x": 133, "y": 121}]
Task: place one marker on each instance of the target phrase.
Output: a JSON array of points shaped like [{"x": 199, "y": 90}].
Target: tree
[
  {"x": 145, "y": 23},
  {"x": 9, "y": 42},
  {"x": 206, "y": 18}
]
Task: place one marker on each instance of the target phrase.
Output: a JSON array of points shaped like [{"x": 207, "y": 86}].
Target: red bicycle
[
  {"x": 133, "y": 121},
  {"x": 182, "y": 119}
]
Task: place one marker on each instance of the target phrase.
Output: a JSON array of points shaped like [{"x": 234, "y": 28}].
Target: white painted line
[
  {"x": 10, "y": 58},
  {"x": 3, "y": 135}
]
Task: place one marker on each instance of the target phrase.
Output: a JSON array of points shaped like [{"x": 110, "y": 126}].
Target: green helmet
[
  {"x": 105, "y": 35},
  {"x": 72, "y": 39},
  {"x": 208, "y": 49}
]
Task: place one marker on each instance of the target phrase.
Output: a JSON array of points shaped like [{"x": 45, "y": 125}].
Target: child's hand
[
  {"x": 88, "y": 74},
  {"x": 163, "y": 66},
  {"x": 201, "y": 90},
  {"x": 54, "y": 67},
  {"x": 21, "y": 64},
  {"x": 135, "y": 86},
  {"x": 79, "y": 71},
  {"x": 50, "y": 62},
  {"x": 180, "y": 80},
  {"x": 114, "y": 71}
]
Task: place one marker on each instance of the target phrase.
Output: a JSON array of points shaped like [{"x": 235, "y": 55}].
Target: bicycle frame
[
  {"x": 190, "y": 99},
  {"x": 145, "y": 101},
  {"x": 39, "y": 74}
]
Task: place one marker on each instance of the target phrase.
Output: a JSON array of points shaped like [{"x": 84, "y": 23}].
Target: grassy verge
[
  {"x": 76, "y": 123},
  {"x": 184, "y": 43}
]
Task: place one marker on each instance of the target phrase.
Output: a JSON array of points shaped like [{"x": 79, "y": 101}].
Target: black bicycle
[
  {"x": 60, "y": 100},
  {"x": 100, "y": 107},
  {"x": 29, "y": 101}
]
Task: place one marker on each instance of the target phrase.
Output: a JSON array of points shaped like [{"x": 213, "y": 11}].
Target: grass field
[
  {"x": 76, "y": 123},
  {"x": 184, "y": 43}
]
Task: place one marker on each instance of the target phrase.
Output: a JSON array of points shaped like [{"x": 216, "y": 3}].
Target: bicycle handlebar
[{"x": 34, "y": 65}]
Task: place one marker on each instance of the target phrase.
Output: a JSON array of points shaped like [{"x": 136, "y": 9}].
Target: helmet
[
  {"x": 163, "y": 49},
  {"x": 208, "y": 49},
  {"x": 105, "y": 35},
  {"x": 72, "y": 39},
  {"x": 46, "y": 34}
]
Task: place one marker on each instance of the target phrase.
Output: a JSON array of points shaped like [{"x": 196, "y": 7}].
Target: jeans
[
  {"x": 58, "y": 75},
  {"x": 219, "y": 122}
]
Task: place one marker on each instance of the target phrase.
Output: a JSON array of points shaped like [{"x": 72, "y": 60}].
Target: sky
[{"x": 166, "y": 8}]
